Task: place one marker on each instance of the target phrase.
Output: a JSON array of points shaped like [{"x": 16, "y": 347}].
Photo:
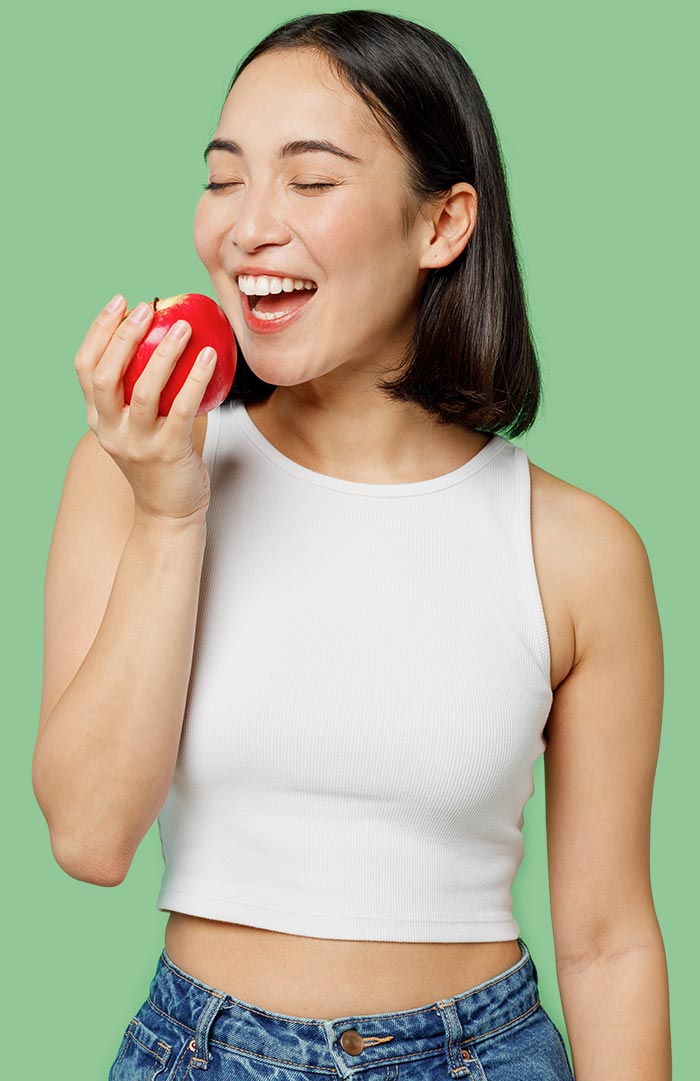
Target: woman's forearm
[
  {"x": 616, "y": 1007},
  {"x": 107, "y": 752}
]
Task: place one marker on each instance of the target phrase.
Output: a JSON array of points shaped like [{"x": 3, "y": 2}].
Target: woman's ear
[{"x": 449, "y": 224}]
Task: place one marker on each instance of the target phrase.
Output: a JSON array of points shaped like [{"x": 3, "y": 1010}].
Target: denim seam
[
  {"x": 501, "y": 1028},
  {"x": 415, "y": 1055},
  {"x": 475, "y": 1061},
  {"x": 179, "y": 1059},
  {"x": 454, "y": 1035},
  {"x": 449, "y": 1032},
  {"x": 258, "y": 1056},
  {"x": 245, "y": 1052},
  {"x": 227, "y": 1046},
  {"x": 391, "y": 1014},
  {"x": 388, "y": 1062},
  {"x": 161, "y": 1058},
  {"x": 170, "y": 1017}
]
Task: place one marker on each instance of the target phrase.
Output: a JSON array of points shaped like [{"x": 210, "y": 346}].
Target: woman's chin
[{"x": 275, "y": 371}]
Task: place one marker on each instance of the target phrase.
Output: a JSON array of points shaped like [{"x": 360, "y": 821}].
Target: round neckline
[{"x": 410, "y": 488}]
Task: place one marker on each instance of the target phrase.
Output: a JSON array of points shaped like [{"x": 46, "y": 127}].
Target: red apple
[{"x": 210, "y": 326}]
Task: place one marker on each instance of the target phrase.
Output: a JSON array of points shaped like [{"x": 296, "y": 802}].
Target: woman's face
[{"x": 347, "y": 237}]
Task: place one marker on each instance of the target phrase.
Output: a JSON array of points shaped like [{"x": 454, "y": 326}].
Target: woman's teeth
[
  {"x": 268, "y": 315},
  {"x": 263, "y": 285},
  {"x": 259, "y": 287}
]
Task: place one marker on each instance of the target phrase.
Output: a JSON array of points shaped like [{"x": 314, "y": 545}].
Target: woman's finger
[
  {"x": 107, "y": 386},
  {"x": 188, "y": 399},
  {"x": 145, "y": 396},
  {"x": 94, "y": 344}
]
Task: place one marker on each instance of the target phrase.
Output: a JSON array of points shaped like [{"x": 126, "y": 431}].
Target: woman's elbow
[{"x": 80, "y": 862}]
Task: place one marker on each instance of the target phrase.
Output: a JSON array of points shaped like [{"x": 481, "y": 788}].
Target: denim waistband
[{"x": 349, "y": 1044}]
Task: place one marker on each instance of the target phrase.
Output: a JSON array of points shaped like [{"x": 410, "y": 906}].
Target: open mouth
[
  {"x": 277, "y": 305},
  {"x": 280, "y": 304}
]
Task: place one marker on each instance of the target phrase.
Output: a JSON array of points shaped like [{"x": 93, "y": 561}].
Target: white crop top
[{"x": 369, "y": 687}]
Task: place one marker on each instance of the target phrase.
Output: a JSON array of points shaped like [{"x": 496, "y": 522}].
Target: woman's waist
[{"x": 322, "y": 977}]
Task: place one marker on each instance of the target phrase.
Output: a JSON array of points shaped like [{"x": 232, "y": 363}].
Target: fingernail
[
  {"x": 114, "y": 303},
  {"x": 179, "y": 329},
  {"x": 141, "y": 312}
]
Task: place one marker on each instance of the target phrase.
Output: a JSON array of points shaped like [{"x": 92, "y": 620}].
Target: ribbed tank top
[{"x": 369, "y": 688}]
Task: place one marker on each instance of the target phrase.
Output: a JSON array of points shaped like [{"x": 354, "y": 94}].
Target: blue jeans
[{"x": 496, "y": 1031}]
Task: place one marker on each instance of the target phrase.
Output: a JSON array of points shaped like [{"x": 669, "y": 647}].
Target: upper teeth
[{"x": 260, "y": 287}]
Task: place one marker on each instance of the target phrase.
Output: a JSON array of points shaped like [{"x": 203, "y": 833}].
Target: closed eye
[
  {"x": 213, "y": 186},
  {"x": 311, "y": 187}
]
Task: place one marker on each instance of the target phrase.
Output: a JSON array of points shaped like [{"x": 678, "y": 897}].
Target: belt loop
[
  {"x": 201, "y": 1035},
  {"x": 526, "y": 953},
  {"x": 453, "y": 1035}
]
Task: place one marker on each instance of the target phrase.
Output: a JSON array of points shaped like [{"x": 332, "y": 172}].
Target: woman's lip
[{"x": 270, "y": 326}]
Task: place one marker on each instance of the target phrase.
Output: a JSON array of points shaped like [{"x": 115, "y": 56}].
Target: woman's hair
[{"x": 471, "y": 359}]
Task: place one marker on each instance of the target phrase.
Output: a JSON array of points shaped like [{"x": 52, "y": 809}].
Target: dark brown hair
[{"x": 471, "y": 360}]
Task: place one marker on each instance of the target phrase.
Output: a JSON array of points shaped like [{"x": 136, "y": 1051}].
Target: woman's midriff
[{"x": 325, "y": 977}]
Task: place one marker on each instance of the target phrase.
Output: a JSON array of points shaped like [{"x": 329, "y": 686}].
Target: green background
[{"x": 107, "y": 110}]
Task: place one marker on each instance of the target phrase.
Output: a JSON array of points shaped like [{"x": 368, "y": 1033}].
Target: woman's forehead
[
  {"x": 296, "y": 66},
  {"x": 299, "y": 82}
]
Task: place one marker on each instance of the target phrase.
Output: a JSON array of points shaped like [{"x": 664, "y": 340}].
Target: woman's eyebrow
[{"x": 297, "y": 146}]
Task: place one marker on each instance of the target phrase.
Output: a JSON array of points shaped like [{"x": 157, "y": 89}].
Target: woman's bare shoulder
[
  {"x": 578, "y": 516},
  {"x": 586, "y": 548}
]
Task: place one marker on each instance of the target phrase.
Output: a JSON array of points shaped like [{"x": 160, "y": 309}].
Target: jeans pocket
[{"x": 142, "y": 1055}]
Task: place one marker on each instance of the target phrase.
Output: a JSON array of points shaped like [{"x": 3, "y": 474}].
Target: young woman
[{"x": 333, "y": 706}]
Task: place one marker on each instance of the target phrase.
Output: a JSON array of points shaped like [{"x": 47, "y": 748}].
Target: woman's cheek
[{"x": 205, "y": 240}]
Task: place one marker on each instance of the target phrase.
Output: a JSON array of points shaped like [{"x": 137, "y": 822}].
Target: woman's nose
[{"x": 257, "y": 221}]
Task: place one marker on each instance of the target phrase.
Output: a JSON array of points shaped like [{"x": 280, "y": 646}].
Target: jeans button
[{"x": 352, "y": 1042}]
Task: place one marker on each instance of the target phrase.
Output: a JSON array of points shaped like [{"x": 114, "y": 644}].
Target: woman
[{"x": 334, "y": 710}]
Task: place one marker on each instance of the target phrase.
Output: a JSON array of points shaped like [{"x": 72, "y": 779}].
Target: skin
[
  {"x": 349, "y": 240},
  {"x": 592, "y": 569}
]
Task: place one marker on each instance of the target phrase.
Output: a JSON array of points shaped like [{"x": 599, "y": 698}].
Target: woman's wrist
[{"x": 168, "y": 526}]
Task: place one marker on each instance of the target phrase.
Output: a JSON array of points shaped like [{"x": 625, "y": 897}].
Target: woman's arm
[
  {"x": 603, "y": 740},
  {"x": 121, "y": 599}
]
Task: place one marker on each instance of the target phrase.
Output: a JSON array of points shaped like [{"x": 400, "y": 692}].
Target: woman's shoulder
[
  {"x": 580, "y": 517},
  {"x": 587, "y": 549}
]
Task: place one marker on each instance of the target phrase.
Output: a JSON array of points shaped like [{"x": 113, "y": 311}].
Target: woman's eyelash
[{"x": 213, "y": 186}]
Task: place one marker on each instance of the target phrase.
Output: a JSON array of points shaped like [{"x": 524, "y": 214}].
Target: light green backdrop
[{"x": 107, "y": 110}]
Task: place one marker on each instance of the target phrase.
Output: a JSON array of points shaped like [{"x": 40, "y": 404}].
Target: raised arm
[{"x": 121, "y": 598}]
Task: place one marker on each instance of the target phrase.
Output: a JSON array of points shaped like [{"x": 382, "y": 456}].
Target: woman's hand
[{"x": 155, "y": 454}]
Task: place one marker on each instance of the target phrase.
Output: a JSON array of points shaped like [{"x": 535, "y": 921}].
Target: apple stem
[{"x": 155, "y": 301}]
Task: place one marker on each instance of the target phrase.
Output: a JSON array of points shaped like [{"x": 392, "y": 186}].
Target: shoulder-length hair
[{"x": 471, "y": 360}]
